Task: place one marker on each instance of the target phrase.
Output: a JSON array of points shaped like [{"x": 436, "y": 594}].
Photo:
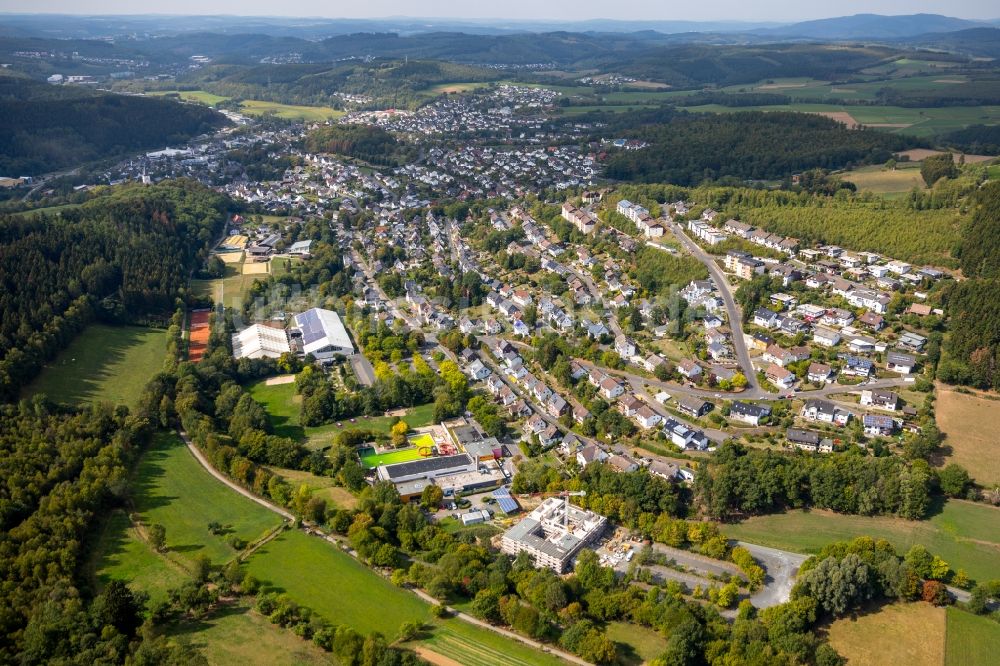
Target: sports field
[
  {"x": 370, "y": 459},
  {"x": 965, "y": 534},
  {"x": 970, "y": 423},
  {"x": 199, "y": 334},
  {"x": 103, "y": 363},
  {"x": 283, "y": 406},
  {"x": 172, "y": 489}
]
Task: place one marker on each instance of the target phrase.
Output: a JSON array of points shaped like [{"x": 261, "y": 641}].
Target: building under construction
[{"x": 554, "y": 533}]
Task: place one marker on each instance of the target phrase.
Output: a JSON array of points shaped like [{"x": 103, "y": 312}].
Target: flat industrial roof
[{"x": 425, "y": 465}]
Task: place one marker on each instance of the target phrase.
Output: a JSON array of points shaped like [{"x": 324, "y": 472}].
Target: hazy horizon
[{"x": 516, "y": 10}]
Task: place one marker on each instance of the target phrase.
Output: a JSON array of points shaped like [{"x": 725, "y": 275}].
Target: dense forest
[
  {"x": 124, "y": 254},
  {"x": 686, "y": 149},
  {"x": 742, "y": 482},
  {"x": 42, "y": 133},
  {"x": 972, "y": 350},
  {"x": 975, "y": 139},
  {"x": 366, "y": 142}
]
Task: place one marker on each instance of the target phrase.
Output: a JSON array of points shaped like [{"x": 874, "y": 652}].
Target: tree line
[{"x": 123, "y": 255}]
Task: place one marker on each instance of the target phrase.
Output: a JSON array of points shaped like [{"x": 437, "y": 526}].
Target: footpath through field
[{"x": 333, "y": 540}]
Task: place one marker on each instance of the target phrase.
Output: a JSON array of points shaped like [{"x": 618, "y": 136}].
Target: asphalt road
[{"x": 754, "y": 390}]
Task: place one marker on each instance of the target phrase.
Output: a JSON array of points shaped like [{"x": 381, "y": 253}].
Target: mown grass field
[
  {"x": 283, "y": 405},
  {"x": 635, "y": 644},
  {"x": 199, "y": 96},
  {"x": 253, "y": 107},
  {"x": 971, "y": 640},
  {"x": 911, "y": 634},
  {"x": 103, "y": 364},
  {"x": 879, "y": 180},
  {"x": 172, "y": 489},
  {"x": 965, "y": 534},
  {"x": 970, "y": 424},
  {"x": 235, "y": 635},
  {"x": 454, "y": 88},
  {"x": 316, "y": 574}
]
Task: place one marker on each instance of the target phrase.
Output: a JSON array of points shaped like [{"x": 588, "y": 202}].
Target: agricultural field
[
  {"x": 464, "y": 644},
  {"x": 455, "y": 88},
  {"x": 253, "y": 107},
  {"x": 879, "y": 180},
  {"x": 920, "y": 122},
  {"x": 636, "y": 644},
  {"x": 200, "y": 96},
  {"x": 236, "y": 635},
  {"x": 283, "y": 404},
  {"x": 965, "y": 534},
  {"x": 103, "y": 364},
  {"x": 970, "y": 423},
  {"x": 970, "y": 640},
  {"x": 912, "y": 634},
  {"x": 172, "y": 489}
]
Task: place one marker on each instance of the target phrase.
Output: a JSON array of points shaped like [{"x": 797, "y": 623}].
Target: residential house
[
  {"x": 779, "y": 376},
  {"x": 623, "y": 464},
  {"x": 694, "y": 407},
  {"x": 827, "y": 337},
  {"x": 748, "y": 412},
  {"x": 646, "y": 417},
  {"x": 880, "y": 399},
  {"x": 610, "y": 388},
  {"x": 899, "y": 362},
  {"x": 765, "y": 318},
  {"x": 824, "y": 411},
  {"x": 819, "y": 372},
  {"x": 684, "y": 436},
  {"x": 877, "y": 425},
  {"x": 590, "y": 453},
  {"x": 689, "y": 368}
]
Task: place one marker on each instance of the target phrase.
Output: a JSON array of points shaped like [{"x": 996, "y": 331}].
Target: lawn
[
  {"x": 335, "y": 585},
  {"x": 283, "y": 405},
  {"x": 911, "y": 634},
  {"x": 289, "y": 111},
  {"x": 172, "y": 489},
  {"x": 971, "y": 640},
  {"x": 322, "y": 486},
  {"x": 344, "y": 591},
  {"x": 636, "y": 644},
  {"x": 965, "y": 534},
  {"x": 235, "y": 635},
  {"x": 120, "y": 553},
  {"x": 970, "y": 423},
  {"x": 103, "y": 363},
  {"x": 454, "y": 88}
]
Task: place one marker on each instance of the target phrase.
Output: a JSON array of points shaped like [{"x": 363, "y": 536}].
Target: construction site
[{"x": 554, "y": 533}]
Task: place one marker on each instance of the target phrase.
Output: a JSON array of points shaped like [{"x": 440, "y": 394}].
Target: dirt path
[
  {"x": 218, "y": 475},
  {"x": 434, "y": 657}
]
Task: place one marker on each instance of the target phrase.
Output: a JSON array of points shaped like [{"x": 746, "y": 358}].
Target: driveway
[{"x": 781, "y": 566}]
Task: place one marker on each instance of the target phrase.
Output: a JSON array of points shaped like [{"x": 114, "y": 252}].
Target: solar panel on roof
[
  {"x": 311, "y": 326},
  {"x": 505, "y": 501}
]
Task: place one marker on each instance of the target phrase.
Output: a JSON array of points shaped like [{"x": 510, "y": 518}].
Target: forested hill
[
  {"x": 124, "y": 254},
  {"x": 47, "y": 128},
  {"x": 972, "y": 350},
  {"x": 687, "y": 148}
]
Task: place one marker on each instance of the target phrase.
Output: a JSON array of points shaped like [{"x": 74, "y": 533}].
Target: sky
[{"x": 713, "y": 10}]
